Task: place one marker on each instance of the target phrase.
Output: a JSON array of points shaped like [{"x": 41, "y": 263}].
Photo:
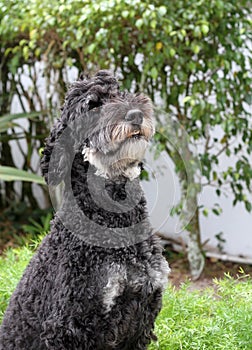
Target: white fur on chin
[{"x": 89, "y": 155}]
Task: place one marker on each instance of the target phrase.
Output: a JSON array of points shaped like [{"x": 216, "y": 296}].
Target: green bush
[{"x": 217, "y": 318}]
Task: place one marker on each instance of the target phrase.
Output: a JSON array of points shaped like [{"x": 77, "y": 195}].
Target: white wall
[{"x": 162, "y": 193}]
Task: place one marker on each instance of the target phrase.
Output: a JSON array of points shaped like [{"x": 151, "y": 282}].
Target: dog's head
[
  {"x": 119, "y": 139},
  {"x": 110, "y": 128}
]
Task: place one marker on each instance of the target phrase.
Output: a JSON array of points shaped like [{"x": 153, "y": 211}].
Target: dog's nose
[{"x": 135, "y": 116}]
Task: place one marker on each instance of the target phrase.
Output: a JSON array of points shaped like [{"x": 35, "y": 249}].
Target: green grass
[
  {"x": 12, "y": 265},
  {"x": 214, "y": 319}
]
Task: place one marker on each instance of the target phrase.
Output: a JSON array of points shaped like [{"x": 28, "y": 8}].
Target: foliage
[
  {"x": 36, "y": 227},
  {"x": 19, "y": 224},
  {"x": 217, "y": 318},
  {"x": 13, "y": 174},
  {"x": 192, "y": 57},
  {"x": 8, "y": 122}
]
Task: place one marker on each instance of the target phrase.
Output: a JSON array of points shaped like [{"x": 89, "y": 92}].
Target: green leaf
[
  {"x": 139, "y": 23},
  {"x": 91, "y": 48},
  {"x": 162, "y": 10},
  {"x": 125, "y": 14},
  {"x": 215, "y": 176},
  {"x": 6, "y": 120},
  {"x": 248, "y": 99},
  {"x": 144, "y": 175},
  {"x": 154, "y": 73},
  {"x": 197, "y": 32},
  {"x": 172, "y": 52},
  {"x": 228, "y": 152},
  {"x": 195, "y": 48},
  {"x": 13, "y": 174},
  {"x": 205, "y": 212},
  {"x": 248, "y": 206},
  {"x": 187, "y": 99},
  {"x": 26, "y": 52},
  {"x": 153, "y": 24},
  {"x": 79, "y": 34},
  {"x": 204, "y": 29}
]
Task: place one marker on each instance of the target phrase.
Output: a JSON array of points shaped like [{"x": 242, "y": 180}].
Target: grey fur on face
[{"x": 117, "y": 144}]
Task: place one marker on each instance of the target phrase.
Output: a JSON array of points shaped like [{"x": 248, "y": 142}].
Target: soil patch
[{"x": 214, "y": 269}]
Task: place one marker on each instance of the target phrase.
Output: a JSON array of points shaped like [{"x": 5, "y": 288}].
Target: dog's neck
[
  {"x": 118, "y": 188},
  {"x": 106, "y": 212},
  {"x": 102, "y": 194}
]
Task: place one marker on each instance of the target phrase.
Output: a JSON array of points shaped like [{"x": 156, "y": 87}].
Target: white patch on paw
[{"x": 159, "y": 275}]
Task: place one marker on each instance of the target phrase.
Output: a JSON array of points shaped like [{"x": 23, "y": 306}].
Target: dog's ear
[
  {"x": 57, "y": 152},
  {"x": 75, "y": 123}
]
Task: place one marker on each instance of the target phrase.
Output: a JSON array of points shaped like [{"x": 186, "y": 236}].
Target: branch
[
  {"x": 81, "y": 57},
  {"x": 228, "y": 144},
  {"x": 34, "y": 80},
  {"x": 187, "y": 90},
  {"x": 222, "y": 150}
]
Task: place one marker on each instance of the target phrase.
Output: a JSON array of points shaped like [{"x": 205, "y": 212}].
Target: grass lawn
[{"x": 217, "y": 318}]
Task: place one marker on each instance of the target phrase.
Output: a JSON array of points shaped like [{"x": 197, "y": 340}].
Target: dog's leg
[{"x": 146, "y": 335}]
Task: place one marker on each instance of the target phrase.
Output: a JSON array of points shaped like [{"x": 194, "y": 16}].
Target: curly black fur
[{"x": 76, "y": 294}]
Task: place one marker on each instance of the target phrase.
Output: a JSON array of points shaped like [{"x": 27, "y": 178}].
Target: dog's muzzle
[{"x": 135, "y": 118}]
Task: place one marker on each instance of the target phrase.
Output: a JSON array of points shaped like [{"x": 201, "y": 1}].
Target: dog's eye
[
  {"x": 93, "y": 105},
  {"x": 93, "y": 101}
]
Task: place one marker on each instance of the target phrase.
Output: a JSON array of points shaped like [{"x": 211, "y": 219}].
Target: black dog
[{"x": 96, "y": 281}]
